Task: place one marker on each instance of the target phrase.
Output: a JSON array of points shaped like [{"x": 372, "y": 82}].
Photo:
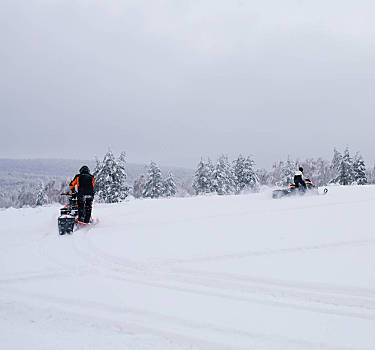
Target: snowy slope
[{"x": 230, "y": 272}]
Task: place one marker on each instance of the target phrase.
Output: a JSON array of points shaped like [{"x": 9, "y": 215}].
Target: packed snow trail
[{"x": 216, "y": 272}]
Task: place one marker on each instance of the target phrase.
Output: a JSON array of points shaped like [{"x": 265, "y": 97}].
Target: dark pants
[
  {"x": 84, "y": 207},
  {"x": 299, "y": 182}
]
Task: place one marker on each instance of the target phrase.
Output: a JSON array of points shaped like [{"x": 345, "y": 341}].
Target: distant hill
[{"x": 13, "y": 170}]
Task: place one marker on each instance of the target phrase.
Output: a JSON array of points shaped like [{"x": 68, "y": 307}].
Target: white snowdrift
[{"x": 231, "y": 272}]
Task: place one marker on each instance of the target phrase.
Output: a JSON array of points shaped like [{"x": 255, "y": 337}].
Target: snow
[{"x": 210, "y": 272}]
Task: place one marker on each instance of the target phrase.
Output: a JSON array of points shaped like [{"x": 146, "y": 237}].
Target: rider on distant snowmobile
[
  {"x": 85, "y": 184},
  {"x": 299, "y": 179}
]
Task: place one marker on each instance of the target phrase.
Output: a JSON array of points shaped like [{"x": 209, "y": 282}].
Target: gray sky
[{"x": 172, "y": 81}]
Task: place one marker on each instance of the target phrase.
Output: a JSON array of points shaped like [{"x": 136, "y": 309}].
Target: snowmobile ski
[{"x": 88, "y": 224}]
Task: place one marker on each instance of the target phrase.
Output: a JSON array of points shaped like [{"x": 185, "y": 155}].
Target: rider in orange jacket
[{"x": 85, "y": 184}]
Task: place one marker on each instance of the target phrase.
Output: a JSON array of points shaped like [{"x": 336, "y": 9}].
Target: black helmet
[
  {"x": 300, "y": 169},
  {"x": 84, "y": 170}
]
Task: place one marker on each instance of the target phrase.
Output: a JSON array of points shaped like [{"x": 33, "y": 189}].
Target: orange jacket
[{"x": 85, "y": 184}]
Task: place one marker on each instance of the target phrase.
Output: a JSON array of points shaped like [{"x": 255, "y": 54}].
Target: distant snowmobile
[
  {"x": 68, "y": 221},
  {"x": 298, "y": 190}
]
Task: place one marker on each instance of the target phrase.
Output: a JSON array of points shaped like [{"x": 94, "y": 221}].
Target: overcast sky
[{"x": 172, "y": 81}]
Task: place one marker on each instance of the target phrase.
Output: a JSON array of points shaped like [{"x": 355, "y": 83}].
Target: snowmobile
[
  {"x": 68, "y": 221},
  {"x": 68, "y": 218},
  {"x": 297, "y": 190}
]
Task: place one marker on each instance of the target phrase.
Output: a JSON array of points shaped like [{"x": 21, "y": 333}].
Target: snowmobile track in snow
[
  {"x": 254, "y": 253},
  {"x": 343, "y": 301}
]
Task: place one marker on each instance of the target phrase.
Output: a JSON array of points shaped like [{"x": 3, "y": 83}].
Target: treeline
[
  {"x": 343, "y": 170},
  {"x": 211, "y": 177},
  {"x": 240, "y": 176},
  {"x": 221, "y": 177},
  {"x": 111, "y": 185},
  {"x": 225, "y": 177}
]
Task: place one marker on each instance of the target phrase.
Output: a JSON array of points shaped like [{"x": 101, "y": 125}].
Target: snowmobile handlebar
[{"x": 70, "y": 194}]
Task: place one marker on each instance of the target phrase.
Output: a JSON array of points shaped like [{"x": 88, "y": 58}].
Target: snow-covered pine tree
[
  {"x": 335, "y": 165},
  {"x": 288, "y": 169},
  {"x": 222, "y": 177},
  {"x": 110, "y": 178},
  {"x": 210, "y": 171},
  {"x": 122, "y": 176},
  {"x": 203, "y": 178},
  {"x": 346, "y": 176},
  {"x": 154, "y": 186},
  {"x": 170, "y": 188},
  {"x": 238, "y": 173},
  {"x": 40, "y": 195},
  {"x": 359, "y": 170},
  {"x": 245, "y": 176}
]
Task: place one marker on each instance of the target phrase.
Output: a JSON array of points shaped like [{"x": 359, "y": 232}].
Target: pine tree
[
  {"x": 222, "y": 177},
  {"x": 244, "y": 175},
  {"x": 287, "y": 172},
  {"x": 121, "y": 177},
  {"x": 210, "y": 173},
  {"x": 359, "y": 170},
  {"x": 203, "y": 177},
  {"x": 335, "y": 165},
  {"x": 170, "y": 188},
  {"x": 41, "y": 196},
  {"x": 110, "y": 178},
  {"x": 154, "y": 186},
  {"x": 346, "y": 176}
]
